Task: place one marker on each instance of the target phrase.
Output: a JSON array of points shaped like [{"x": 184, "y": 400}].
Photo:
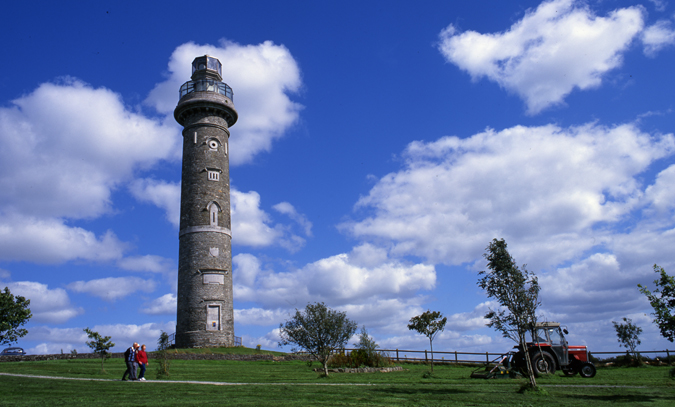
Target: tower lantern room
[{"x": 207, "y": 67}]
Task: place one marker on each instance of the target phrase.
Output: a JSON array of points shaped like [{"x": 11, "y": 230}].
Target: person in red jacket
[{"x": 142, "y": 358}]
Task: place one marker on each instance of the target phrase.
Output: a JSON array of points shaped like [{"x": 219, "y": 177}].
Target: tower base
[{"x": 204, "y": 339}]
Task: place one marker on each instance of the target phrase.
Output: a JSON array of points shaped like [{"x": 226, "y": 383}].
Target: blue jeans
[{"x": 142, "y": 366}]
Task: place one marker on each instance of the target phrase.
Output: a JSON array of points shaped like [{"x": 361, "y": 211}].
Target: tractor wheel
[
  {"x": 569, "y": 372},
  {"x": 543, "y": 363},
  {"x": 587, "y": 370}
]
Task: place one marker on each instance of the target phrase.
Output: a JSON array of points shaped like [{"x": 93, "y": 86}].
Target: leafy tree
[
  {"x": 366, "y": 350},
  {"x": 629, "y": 335},
  {"x": 428, "y": 324},
  {"x": 366, "y": 343},
  {"x": 164, "y": 364},
  {"x": 318, "y": 330},
  {"x": 663, "y": 302},
  {"x": 14, "y": 312},
  {"x": 99, "y": 344},
  {"x": 517, "y": 292}
]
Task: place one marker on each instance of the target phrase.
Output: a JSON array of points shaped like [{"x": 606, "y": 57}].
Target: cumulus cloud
[
  {"x": 164, "y": 305},
  {"x": 113, "y": 288},
  {"x": 252, "y": 226},
  {"x": 545, "y": 189},
  {"x": 559, "y": 46},
  {"x": 63, "y": 149},
  {"x": 657, "y": 37},
  {"x": 260, "y": 316},
  {"x": 337, "y": 280},
  {"x": 47, "y": 305},
  {"x": 69, "y": 145},
  {"x": 75, "y": 338},
  {"x": 163, "y": 194},
  {"x": 150, "y": 263},
  {"x": 262, "y": 76},
  {"x": 50, "y": 240}
]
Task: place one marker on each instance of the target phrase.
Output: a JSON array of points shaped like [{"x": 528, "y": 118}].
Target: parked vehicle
[
  {"x": 13, "y": 352},
  {"x": 549, "y": 351}
]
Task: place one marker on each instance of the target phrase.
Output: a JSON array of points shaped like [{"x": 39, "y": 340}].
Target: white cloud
[
  {"x": 262, "y": 76},
  {"x": 290, "y": 211},
  {"x": 546, "y": 190},
  {"x": 163, "y": 194},
  {"x": 112, "y": 288},
  {"x": 63, "y": 149},
  {"x": 46, "y": 305},
  {"x": 661, "y": 194},
  {"x": 560, "y": 46},
  {"x": 260, "y": 316},
  {"x": 122, "y": 335},
  {"x": 164, "y": 305},
  {"x": 659, "y": 5},
  {"x": 337, "y": 280},
  {"x": 151, "y": 263},
  {"x": 252, "y": 226},
  {"x": 657, "y": 37},
  {"x": 48, "y": 240},
  {"x": 69, "y": 144},
  {"x": 247, "y": 267}
]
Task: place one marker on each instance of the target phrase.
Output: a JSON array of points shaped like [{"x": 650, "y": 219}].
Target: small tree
[
  {"x": 318, "y": 330},
  {"x": 164, "y": 364},
  {"x": 366, "y": 349},
  {"x": 662, "y": 301},
  {"x": 428, "y": 324},
  {"x": 517, "y": 292},
  {"x": 628, "y": 335},
  {"x": 99, "y": 344},
  {"x": 14, "y": 312}
]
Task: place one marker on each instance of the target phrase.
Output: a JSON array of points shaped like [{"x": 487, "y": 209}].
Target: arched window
[{"x": 213, "y": 213}]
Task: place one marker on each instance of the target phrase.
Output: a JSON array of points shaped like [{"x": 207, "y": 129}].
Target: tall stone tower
[{"x": 206, "y": 111}]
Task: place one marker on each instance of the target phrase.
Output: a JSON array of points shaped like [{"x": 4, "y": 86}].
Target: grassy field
[{"x": 294, "y": 383}]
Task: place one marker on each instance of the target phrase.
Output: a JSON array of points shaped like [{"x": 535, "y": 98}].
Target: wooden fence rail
[{"x": 468, "y": 357}]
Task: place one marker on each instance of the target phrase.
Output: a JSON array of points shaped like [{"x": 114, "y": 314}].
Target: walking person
[
  {"x": 142, "y": 358},
  {"x": 130, "y": 360}
]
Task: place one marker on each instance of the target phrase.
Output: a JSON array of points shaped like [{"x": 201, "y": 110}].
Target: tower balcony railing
[{"x": 206, "y": 85}]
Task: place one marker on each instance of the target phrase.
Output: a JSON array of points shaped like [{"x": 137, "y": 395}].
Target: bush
[{"x": 358, "y": 358}]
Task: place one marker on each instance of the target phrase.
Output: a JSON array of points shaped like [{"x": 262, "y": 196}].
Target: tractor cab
[
  {"x": 548, "y": 351},
  {"x": 550, "y": 335}
]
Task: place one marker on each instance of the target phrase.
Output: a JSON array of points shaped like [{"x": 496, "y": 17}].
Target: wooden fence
[{"x": 471, "y": 357}]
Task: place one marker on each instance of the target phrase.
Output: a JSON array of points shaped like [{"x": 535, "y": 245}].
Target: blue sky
[{"x": 380, "y": 147}]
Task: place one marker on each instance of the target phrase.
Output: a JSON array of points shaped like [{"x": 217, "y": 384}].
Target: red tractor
[{"x": 549, "y": 351}]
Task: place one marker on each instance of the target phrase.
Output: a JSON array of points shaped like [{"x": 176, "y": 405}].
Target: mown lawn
[{"x": 294, "y": 383}]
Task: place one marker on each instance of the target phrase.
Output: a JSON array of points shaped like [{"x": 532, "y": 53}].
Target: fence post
[
  {"x": 397, "y": 359},
  {"x": 455, "y": 356},
  {"x": 487, "y": 358},
  {"x": 425, "y": 356}
]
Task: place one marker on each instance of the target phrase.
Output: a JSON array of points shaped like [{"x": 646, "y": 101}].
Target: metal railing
[{"x": 206, "y": 85}]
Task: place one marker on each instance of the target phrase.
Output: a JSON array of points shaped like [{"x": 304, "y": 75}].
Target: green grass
[{"x": 293, "y": 383}]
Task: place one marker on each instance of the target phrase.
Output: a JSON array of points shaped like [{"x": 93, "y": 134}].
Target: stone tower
[{"x": 206, "y": 111}]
